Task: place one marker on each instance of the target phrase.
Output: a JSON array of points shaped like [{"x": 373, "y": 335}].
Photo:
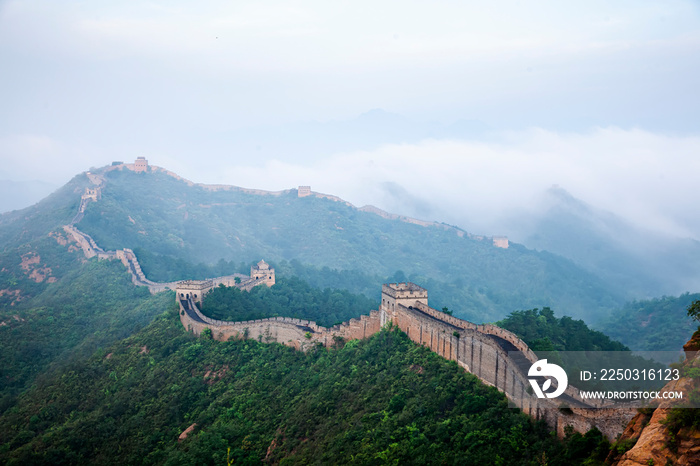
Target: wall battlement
[{"x": 404, "y": 290}]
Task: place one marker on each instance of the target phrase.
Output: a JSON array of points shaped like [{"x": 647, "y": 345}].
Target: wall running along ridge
[{"x": 482, "y": 350}]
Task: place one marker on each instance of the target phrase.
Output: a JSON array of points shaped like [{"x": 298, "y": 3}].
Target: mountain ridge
[
  {"x": 165, "y": 221},
  {"x": 498, "y": 240}
]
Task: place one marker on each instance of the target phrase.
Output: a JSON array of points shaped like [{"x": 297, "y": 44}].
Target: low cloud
[{"x": 647, "y": 178}]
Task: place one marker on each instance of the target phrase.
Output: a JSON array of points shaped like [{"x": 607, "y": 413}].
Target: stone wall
[
  {"x": 297, "y": 333},
  {"x": 496, "y": 356},
  {"x": 94, "y": 178},
  {"x": 484, "y": 350},
  {"x": 487, "y": 352},
  {"x": 500, "y": 242},
  {"x": 90, "y": 194},
  {"x": 87, "y": 244}
]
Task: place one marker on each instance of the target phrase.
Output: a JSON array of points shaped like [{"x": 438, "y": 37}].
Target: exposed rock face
[
  {"x": 186, "y": 432},
  {"x": 693, "y": 344},
  {"x": 656, "y": 443}
]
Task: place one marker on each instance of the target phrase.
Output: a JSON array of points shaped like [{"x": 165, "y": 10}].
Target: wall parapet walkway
[
  {"x": 298, "y": 333},
  {"x": 484, "y": 350}
]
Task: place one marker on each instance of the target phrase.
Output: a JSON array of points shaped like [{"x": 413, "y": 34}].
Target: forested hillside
[
  {"x": 173, "y": 225},
  {"x": 379, "y": 401},
  {"x": 20, "y": 227},
  {"x": 74, "y": 392},
  {"x": 660, "y": 324},
  {"x": 542, "y": 331},
  {"x": 54, "y": 305},
  {"x": 92, "y": 306}
]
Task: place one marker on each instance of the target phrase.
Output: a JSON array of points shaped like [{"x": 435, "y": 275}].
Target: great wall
[{"x": 496, "y": 356}]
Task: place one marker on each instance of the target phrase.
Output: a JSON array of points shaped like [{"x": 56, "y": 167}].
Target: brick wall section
[
  {"x": 479, "y": 350},
  {"x": 297, "y": 333},
  {"x": 482, "y": 350},
  {"x": 87, "y": 244}
]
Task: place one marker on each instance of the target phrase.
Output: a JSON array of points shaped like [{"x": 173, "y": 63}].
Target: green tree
[{"x": 694, "y": 310}]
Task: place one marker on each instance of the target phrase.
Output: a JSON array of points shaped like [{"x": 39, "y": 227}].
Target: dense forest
[
  {"x": 379, "y": 401},
  {"x": 88, "y": 376},
  {"x": 290, "y": 297},
  {"x": 92, "y": 305},
  {"x": 542, "y": 331},
  {"x": 659, "y": 324}
]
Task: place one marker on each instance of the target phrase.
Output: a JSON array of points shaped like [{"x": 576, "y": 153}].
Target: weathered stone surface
[
  {"x": 693, "y": 345},
  {"x": 186, "y": 432}
]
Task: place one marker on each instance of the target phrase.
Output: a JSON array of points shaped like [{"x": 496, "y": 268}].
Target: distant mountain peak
[{"x": 556, "y": 195}]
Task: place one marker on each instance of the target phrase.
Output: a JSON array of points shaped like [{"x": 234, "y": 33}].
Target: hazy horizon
[{"x": 460, "y": 113}]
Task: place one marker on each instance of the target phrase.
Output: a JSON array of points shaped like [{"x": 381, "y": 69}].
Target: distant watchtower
[
  {"x": 141, "y": 165},
  {"x": 304, "y": 191},
  {"x": 500, "y": 242},
  {"x": 263, "y": 271},
  {"x": 91, "y": 193}
]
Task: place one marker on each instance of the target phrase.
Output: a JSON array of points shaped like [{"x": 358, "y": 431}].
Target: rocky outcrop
[
  {"x": 655, "y": 440},
  {"x": 185, "y": 433},
  {"x": 693, "y": 344}
]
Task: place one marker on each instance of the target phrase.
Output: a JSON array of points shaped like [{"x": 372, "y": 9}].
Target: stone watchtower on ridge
[
  {"x": 263, "y": 271},
  {"x": 193, "y": 289},
  {"x": 141, "y": 165},
  {"x": 400, "y": 294}
]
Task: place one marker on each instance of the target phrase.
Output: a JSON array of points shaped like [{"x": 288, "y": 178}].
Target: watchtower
[
  {"x": 195, "y": 289},
  {"x": 91, "y": 193},
  {"x": 264, "y": 272},
  {"x": 404, "y": 294},
  {"x": 141, "y": 165}
]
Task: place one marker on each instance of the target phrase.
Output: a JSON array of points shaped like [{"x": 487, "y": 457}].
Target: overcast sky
[{"x": 446, "y": 110}]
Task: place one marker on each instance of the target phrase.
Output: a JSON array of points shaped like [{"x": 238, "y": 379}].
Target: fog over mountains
[{"x": 648, "y": 263}]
